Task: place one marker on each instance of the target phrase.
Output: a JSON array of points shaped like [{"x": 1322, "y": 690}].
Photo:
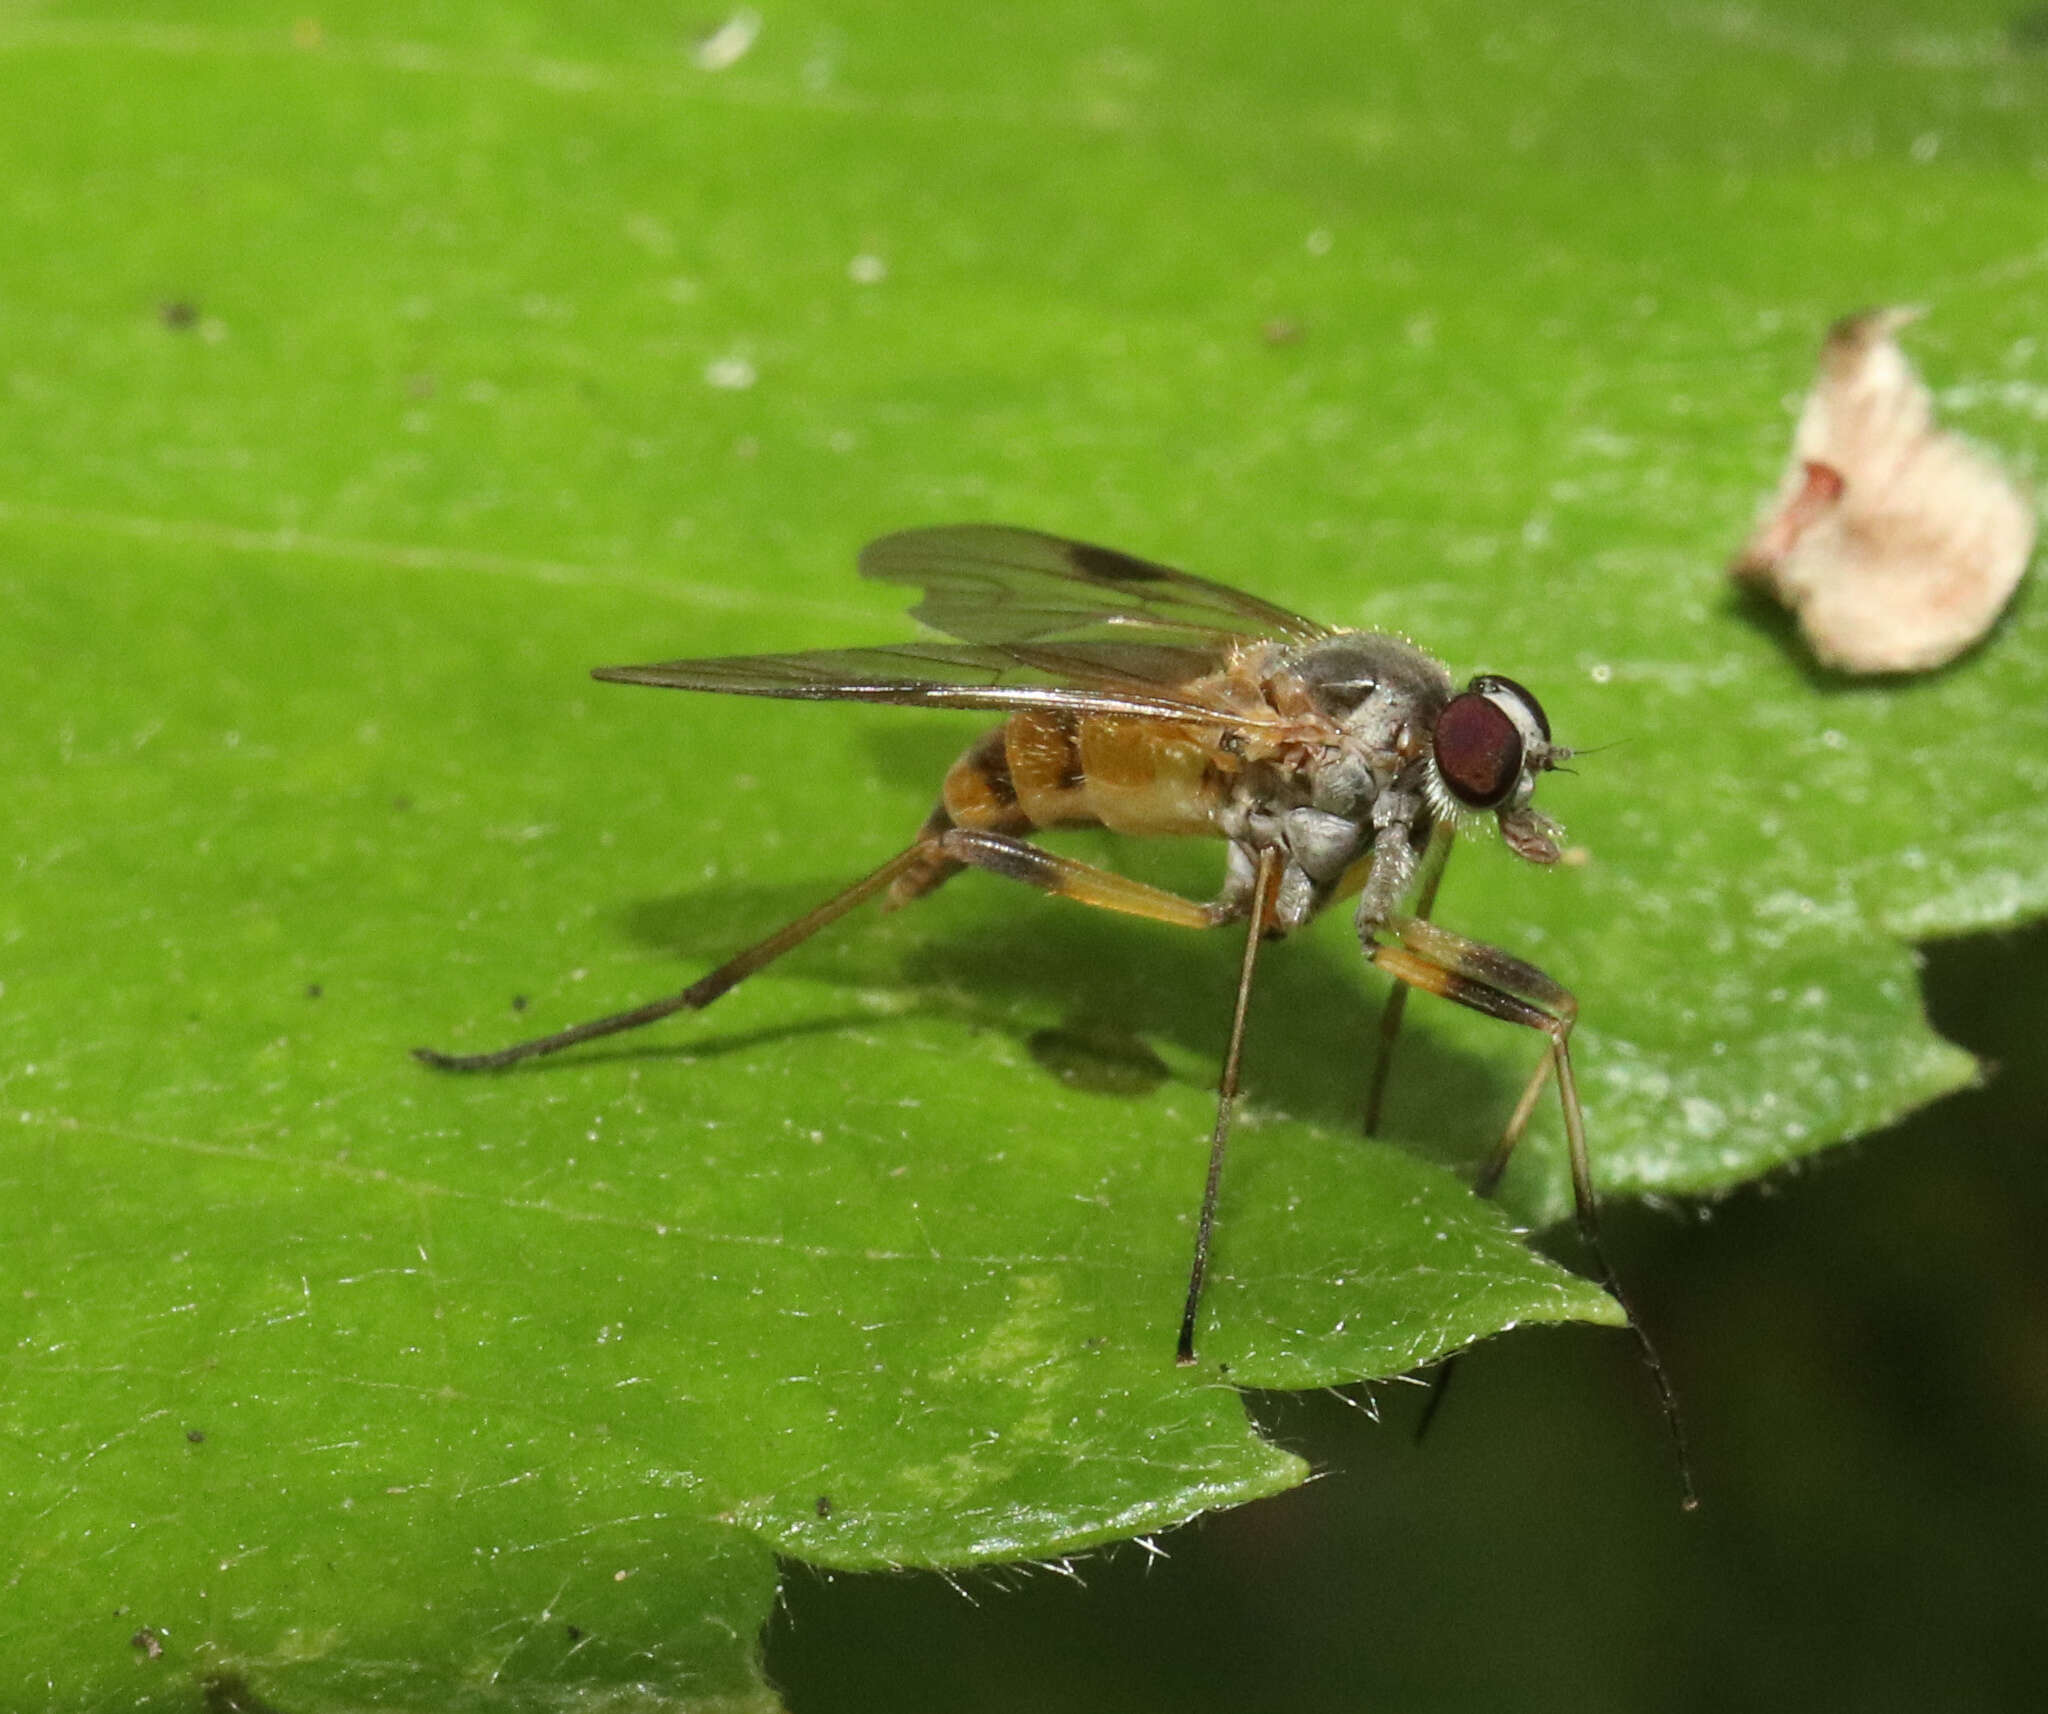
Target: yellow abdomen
[{"x": 1060, "y": 769}]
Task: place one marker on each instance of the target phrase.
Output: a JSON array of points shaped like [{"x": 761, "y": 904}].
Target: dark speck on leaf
[
  {"x": 196, "y": 1435},
  {"x": 1100, "y": 1058},
  {"x": 146, "y": 1640},
  {"x": 401, "y": 803},
  {"x": 519, "y": 1002},
  {"x": 575, "y": 1633},
  {"x": 313, "y": 990},
  {"x": 824, "y": 1505},
  {"x": 229, "y": 1693},
  {"x": 177, "y": 314}
]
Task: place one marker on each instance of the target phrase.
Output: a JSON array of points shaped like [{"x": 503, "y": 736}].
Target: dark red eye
[{"x": 1478, "y": 750}]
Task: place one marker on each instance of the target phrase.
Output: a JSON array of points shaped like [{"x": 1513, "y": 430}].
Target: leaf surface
[{"x": 370, "y": 379}]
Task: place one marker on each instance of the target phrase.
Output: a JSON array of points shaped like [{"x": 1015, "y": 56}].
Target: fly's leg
[
  {"x": 1019, "y": 860},
  {"x": 936, "y": 851},
  {"x": 1442, "y": 838},
  {"x": 1265, "y": 884},
  {"x": 1066, "y": 878},
  {"x": 1498, "y": 984},
  {"x": 1488, "y": 1180},
  {"x": 706, "y": 988},
  {"x": 927, "y": 861}
]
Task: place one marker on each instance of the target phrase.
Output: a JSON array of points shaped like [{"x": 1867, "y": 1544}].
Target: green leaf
[{"x": 371, "y": 379}]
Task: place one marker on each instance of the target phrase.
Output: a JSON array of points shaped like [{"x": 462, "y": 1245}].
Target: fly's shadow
[{"x": 1101, "y": 1003}]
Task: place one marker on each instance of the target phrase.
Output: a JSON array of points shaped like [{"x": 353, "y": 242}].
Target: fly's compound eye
[
  {"x": 1478, "y": 749},
  {"x": 1506, "y": 690}
]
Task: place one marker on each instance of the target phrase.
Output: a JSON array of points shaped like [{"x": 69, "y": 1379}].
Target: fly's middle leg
[{"x": 1019, "y": 860}]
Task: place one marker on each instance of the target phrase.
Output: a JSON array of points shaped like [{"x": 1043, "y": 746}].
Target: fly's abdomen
[{"x": 1060, "y": 769}]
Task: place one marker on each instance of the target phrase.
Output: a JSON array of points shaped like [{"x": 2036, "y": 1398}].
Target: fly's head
[{"x": 1490, "y": 742}]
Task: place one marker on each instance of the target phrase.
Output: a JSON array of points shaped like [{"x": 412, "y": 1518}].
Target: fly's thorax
[
  {"x": 1381, "y": 692},
  {"x": 1343, "y": 782},
  {"x": 1371, "y": 702}
]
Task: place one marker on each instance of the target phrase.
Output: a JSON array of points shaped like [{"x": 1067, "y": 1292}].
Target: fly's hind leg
[
  {"x": 1500, "y": 985},
  {"x": 1065, "y": 877},
  {"x": 913, "y": 872},
  {"x": 940, "y": 850},
  {"x": 910, "y": 861},
  {"x": 979, "y": 786}
]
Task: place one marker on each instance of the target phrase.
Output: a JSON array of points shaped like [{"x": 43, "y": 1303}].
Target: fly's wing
[
  {"x": 1043, "y": 623},
  {"x": 1138, "y": 680},
  {"x": 987, "y": 583}
]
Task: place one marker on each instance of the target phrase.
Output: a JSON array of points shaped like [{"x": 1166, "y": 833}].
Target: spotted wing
[
  {"x": 1136, "y": 679},
  {"x": 987, "y": 583}
]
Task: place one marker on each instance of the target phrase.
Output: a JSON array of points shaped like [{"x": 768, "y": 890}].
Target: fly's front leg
[{"x": 1488, "y": 980}]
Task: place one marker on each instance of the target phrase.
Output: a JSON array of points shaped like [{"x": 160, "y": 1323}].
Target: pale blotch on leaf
[
  {"x": 730, "y": 43},
  {"x": 1895, "y": 542}
]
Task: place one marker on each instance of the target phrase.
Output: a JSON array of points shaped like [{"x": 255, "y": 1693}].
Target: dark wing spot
[{"x": 1106, "y": 565}]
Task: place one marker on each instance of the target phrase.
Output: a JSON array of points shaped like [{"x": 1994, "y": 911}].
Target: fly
[{"x": 1334, "y": 764}]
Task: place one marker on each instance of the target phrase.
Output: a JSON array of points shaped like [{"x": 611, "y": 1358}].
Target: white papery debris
[{"x": 1895, "y": 542}]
